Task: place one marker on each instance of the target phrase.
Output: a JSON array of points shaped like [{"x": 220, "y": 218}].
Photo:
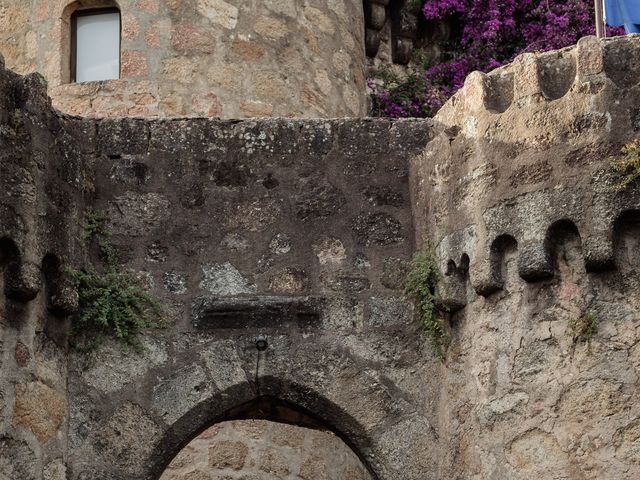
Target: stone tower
[{"x": 219, "y": 58}]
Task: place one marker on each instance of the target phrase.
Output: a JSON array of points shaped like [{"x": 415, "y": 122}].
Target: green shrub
[
  {"x": 420, "y": 285},
  {"x": 628, "y": 164},
  {"x": 113, "y": 302},
  {"x": 95, "y": 229}
]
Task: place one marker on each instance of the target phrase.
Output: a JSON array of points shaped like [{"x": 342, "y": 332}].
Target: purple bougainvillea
[{"x": 490, "y": 34}]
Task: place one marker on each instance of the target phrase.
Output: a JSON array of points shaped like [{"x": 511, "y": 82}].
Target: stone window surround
[{"x": 66, "y": 37}]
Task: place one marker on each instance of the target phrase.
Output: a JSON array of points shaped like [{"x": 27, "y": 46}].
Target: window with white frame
[{"x": 95, "y": 52}]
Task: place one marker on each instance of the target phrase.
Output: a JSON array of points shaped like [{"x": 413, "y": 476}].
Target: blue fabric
[{"x": 623, "y": 12}]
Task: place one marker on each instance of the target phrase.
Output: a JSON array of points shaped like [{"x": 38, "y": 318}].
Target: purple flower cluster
[
  {"x": 413, "y": 97},
  {"x": 490, "y": 34}
]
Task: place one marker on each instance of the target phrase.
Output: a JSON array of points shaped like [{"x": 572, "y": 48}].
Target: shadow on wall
[{"x": 626, "y": 237}]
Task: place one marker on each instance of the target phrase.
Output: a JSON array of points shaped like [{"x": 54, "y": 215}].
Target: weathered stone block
[
  {"x": 17, "y": 459},
  {"x": 40, "y": 409},
  {"x": 227, "y": 455}
]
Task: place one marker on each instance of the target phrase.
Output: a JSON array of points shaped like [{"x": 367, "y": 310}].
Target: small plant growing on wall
[
  {"x": 113, "y": 302},
  {"x": 96, "y": 230},
  {"x": 420, "y": 286},
  {"x": 628, "y": 164},
  {"x": 583, "y": 329}
]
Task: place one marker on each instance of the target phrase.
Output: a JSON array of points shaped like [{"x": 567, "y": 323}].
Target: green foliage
[
  {"x": 583, "y": 328},
  {"x": 95, "y": 229},
  {"x": 628, "y": 164},
  {"x": 114, "y": 304},
  {"x": 420, "y": 285}
]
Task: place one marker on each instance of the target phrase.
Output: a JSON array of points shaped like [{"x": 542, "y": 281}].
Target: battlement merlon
[
  {"x": 524, "y": 149},
  {"x": 576, "y": 71},
  {"x": 40, "y": 175}
]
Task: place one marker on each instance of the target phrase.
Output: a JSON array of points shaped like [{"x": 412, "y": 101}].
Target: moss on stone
[{"x": 583, "y": 328}]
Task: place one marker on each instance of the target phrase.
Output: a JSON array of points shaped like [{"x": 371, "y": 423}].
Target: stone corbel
[
  {"x": 375, "y": 18},
  {"x": 405, "y": 19}
]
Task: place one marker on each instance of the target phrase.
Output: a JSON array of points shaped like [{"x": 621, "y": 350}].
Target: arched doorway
[
  {"x": 133, "y": 432},
  {"x": 267, "y": 439}
]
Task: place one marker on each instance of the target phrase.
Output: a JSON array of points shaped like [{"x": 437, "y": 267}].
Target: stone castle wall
[
  {"x": 298, "y": 230},
  {"x": 33, "y": 358},
  {"x": 293, "y": 229},
  {"x": 217, "y": 58},
  {"x": 533, "y": 235}
]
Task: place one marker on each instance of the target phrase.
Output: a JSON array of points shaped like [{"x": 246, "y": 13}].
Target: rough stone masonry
[
  {"x": 209, "y": 58},
  {"x": 298, "y": 230}
]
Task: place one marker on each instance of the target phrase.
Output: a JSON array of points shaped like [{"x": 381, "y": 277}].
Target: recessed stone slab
[{"x": 253, "y": 312}]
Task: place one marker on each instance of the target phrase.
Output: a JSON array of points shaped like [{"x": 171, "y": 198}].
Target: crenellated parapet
[
  {"x": 588, "y": 70},
  {"x": 39, "y": 174},
  {"x": 524, "y": 154}
]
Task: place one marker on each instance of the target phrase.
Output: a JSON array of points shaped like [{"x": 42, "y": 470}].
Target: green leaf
[{"x": 420, "y": 286}]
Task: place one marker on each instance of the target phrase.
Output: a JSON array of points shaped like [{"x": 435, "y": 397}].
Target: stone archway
[
  {"x": 326, "y": 417},
  {"x": 130, "y": 416},
  {"x": 268, "y": 439}
]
